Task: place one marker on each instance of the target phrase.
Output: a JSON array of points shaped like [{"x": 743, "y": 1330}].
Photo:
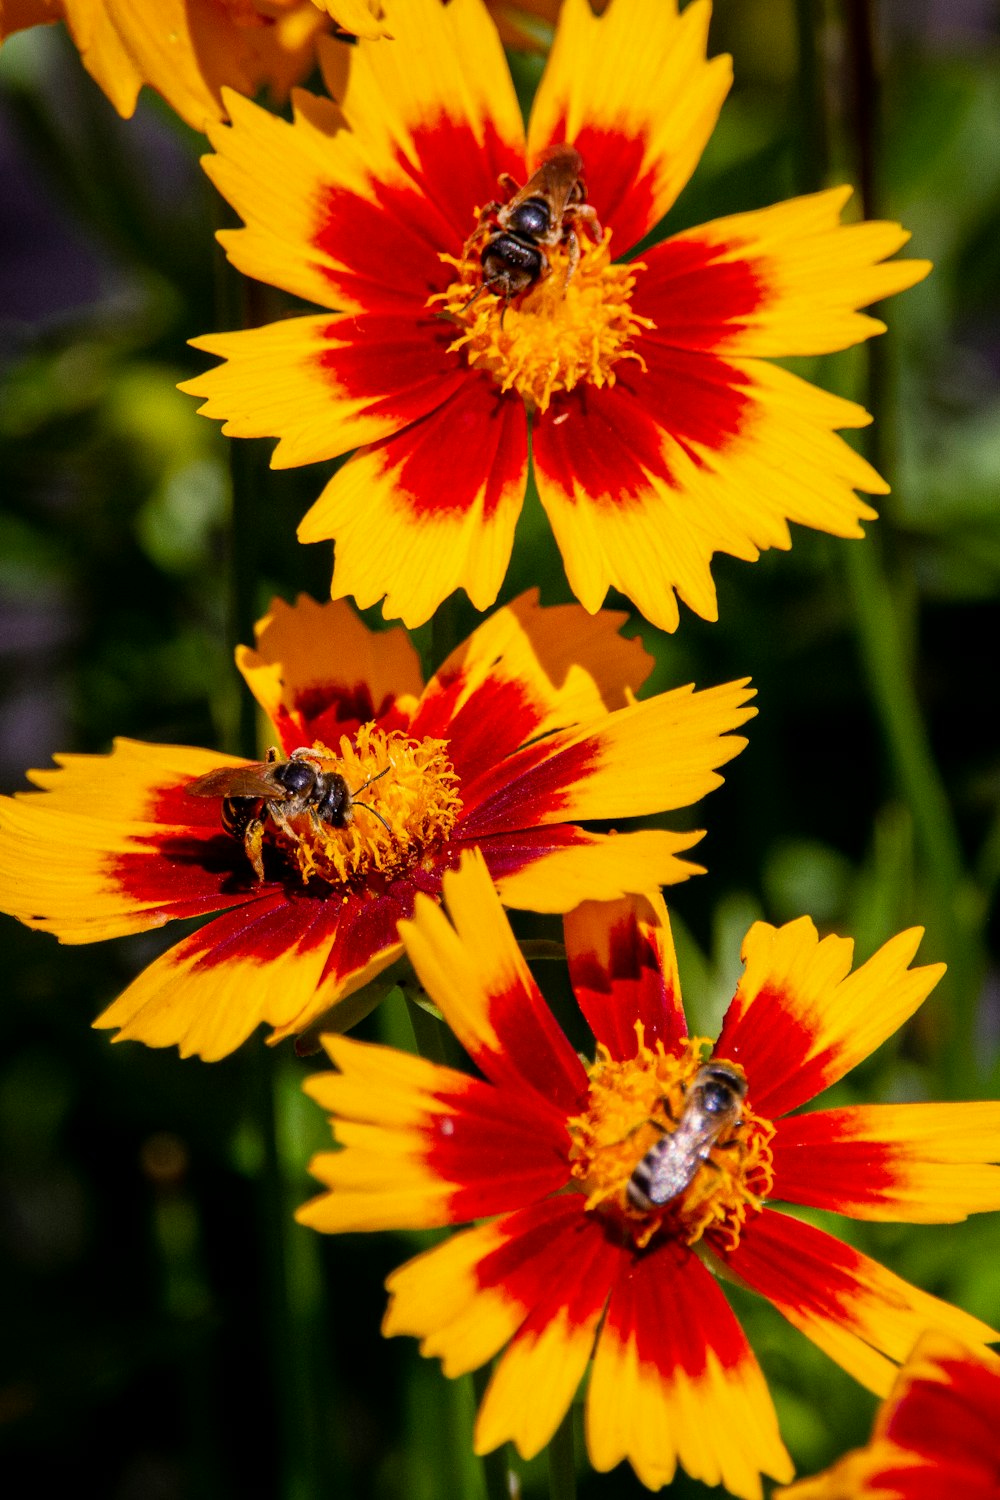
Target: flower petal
[
  {"x": 260, "y": 963},
  {"x": 438, "y": 106},
  {"x": 325, "y": 384},
  {"x": 524, "y": 671},
  {"x": 916, "y": 1163},
  {"x": 800, "y": 1019},
  {"x": 643, "y": 481},
  {"x": 623, "y": 969},
  {"x": 651, "y": 757},
  {"x": 424, "y": 1145},
  {"x": 320, "y": 219},
  {"x": 318, "y": 672},
  {"x": 112, "y": 844},
  {"x": 185, "y": 49},
  {"x": 674, "y": 1379},
  {"x": 856, "y": 1311},
  {"x": 554, "y": 869},
  {"x": 778, "y": 281},
  {"x": 468, "y": 1296},
  {"x": 430, "y": 510},
  {"x": 535, "y": 1379},
  {"x": 476, "y": 973},
  {"x": 632, "y": 90}
]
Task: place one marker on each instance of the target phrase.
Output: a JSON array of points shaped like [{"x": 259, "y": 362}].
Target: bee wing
[
  {"x": 556, "y": 178},
  {"x": 236, "y": 781}
]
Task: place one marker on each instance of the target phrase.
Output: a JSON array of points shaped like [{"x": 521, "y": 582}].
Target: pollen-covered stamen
[
  {"x": 634, "y": 1106},
  {"x": 565, "y": 329},
  {"x": 415, "y": 800}
]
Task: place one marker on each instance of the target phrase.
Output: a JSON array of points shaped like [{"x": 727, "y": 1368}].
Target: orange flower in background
[
  {"x": 614, "y": 1189},
  {"x": 937, "y": 1435},
  {"x": 188, "y": 49},
  {"x": 660, "y": 431},
  {"x": 526, "y": 731}
]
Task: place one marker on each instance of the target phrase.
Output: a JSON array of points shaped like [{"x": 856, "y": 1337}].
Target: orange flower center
[
  {"x": 409, "y": 808},
  {"x": 644, "y": 1111},
  {"x": 563, "y": 330}
]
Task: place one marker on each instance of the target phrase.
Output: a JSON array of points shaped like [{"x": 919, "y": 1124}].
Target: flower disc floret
[
  {"x": 634, "y": 1103},
  {"x": 414, "y": 807},
  {"x": 567, "y": 329}
]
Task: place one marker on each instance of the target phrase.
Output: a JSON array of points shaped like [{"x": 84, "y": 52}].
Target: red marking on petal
[
  {"x": 388, "y": 245},
  {"x": 496, "y": 718},
  {"x": 669, "y": 1307},
  {"x": 265, "y": 930},
  {"x": 475, "y": 445},
  {"x": 500, "y": 1152},
  {"x": 632, "y": 988},
  {"x": 696, "y": 299},
  {"x": 528, "y": 788},
  {"x": 459, "y": 173},
  {"x": 399, "y": 367},
  {"x": 506, "y": 853},
  {"x": 773, "y": 1048},
  {"x": 326, "y": 710},
  {"x": 540, "y": 1243},
  {"x": 814, "y": 1168},
  {"x": 952, "y": 1426}
]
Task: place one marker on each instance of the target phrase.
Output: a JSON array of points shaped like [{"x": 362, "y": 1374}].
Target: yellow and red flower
[
  {"x": 548, "y": 1148},
  {"x": 936, "y": 1436},
  {"x": 660, "y": 432},
  {"x": 525, "y": 731},
  {"x": 189, "y": 49}
]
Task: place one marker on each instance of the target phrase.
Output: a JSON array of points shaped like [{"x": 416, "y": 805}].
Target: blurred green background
[{"x": 145, "y": 1202}]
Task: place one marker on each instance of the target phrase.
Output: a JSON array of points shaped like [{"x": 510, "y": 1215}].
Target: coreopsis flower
[
  {"x": 936, "y": 1436},
  {"x": 614, "y": 1189},
  {"x": 373, "y": 786},
  {"x": 660, "y": 432},
  {"x": 188, "y": 49}
]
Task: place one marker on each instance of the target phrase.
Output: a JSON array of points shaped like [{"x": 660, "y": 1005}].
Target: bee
[
  {"x": 281, "y": 790},
  {"x": 713, "y": 1103},
  {"x": 543, "y": 213}
]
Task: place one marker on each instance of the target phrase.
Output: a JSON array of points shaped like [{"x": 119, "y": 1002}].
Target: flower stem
[
  {"x": 562, "y": 1461},
  {"x": 496, "y": 1474}
]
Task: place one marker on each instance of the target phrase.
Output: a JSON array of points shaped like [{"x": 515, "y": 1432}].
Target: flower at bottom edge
[
  {"x": 373, "y": 785},
  {"x": 613, "y": 1191},
  {"x": 935, "y": 1436}
]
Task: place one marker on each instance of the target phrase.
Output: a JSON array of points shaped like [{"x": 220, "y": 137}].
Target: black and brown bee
[
  {"x": 713, "y": 1103},
  {"x": 542, "y": 214},
  {"x": 281, "y": 791}
]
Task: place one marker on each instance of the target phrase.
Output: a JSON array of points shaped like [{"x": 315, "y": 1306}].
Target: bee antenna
[
  {"x": 356, "y": 803},
  {"x": 377, "y": 777}
]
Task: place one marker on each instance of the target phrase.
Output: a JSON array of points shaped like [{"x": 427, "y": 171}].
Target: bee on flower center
[
  {"x": 281, "y": 791},
  {"x": 543, "y": 213},
  {"x": 713, "y": 1104}
]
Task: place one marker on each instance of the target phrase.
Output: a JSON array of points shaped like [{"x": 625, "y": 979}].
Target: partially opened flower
[
  {"x": 188, "y": 49},
  {"x": 374, "y": 786},
  {"x": 660, "y": 434},
  {"x": 615, "y": 1189},
  {"x": 937, "y": 1436}
]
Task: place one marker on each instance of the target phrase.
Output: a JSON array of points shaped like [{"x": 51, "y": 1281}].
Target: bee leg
[
  {"x": 485, "y": 214},
  {"x": 573, "y": 255},
  {"x": 253, "y": 844},
  {"x": 588, "y": 214}
]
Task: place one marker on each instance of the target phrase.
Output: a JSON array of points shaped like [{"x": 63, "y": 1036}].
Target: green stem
[
  {"x": 496, "y": 1473},
  {"x": 562, "y": 1461}
]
